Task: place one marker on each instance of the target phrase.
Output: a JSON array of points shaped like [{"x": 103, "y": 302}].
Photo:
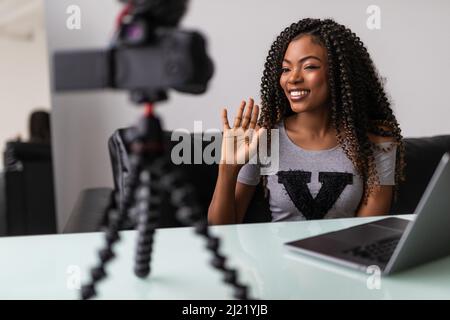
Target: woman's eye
[
  {"x": 311, "y": 67},
  {"x": 283, "y": 70}
]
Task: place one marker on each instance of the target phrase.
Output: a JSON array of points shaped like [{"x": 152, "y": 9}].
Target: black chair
[
  {"x": 202, "y": 176},
  {"x": 28, "y": 190},
  {"x": 422, "y": 157}
]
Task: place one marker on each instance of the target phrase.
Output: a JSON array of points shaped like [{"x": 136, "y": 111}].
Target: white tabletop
[{"x": 51, "y": 267}]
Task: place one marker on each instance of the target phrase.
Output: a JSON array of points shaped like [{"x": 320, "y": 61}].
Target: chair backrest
[
  {"x": 422, "y": 156},
  {"x": 202, "y": 176}
]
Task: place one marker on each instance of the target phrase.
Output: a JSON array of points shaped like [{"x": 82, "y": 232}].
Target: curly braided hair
[{"x": 359, "y": 104}]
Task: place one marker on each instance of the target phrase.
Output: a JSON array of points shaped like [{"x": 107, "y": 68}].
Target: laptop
[{"x": 393, "y": 244}]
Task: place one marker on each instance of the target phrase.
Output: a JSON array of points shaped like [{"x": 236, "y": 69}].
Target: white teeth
[{"x": 300, "y": 93}]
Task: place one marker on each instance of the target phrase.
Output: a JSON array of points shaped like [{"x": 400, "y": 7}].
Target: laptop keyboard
[{"x": 380, "y": 250}]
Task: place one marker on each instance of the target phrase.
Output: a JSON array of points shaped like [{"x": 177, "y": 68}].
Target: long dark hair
[{"x": 359, "y": 104}]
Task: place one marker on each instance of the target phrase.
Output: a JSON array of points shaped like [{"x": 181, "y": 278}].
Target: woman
[{"x": 340, "y": 146}]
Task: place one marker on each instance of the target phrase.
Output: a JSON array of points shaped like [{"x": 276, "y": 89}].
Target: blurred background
[
  {"x": 25, "y": 120},
  {"x": 24, "y": 80}
]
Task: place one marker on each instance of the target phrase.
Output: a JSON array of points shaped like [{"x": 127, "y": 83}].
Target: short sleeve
[
  {"x": 249, "y": 174},
  {"x": 385, "y": 158}
]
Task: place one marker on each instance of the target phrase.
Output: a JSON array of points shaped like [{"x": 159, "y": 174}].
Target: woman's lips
[{"x": 297, "y": 95}]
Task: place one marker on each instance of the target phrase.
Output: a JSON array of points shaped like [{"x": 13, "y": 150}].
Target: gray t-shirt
[{"x": 317, "y": 184}]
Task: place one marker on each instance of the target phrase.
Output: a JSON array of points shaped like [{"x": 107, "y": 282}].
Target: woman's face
[{"x": 304, "y": 76}]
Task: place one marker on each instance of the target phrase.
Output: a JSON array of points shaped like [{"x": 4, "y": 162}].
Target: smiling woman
[{"x": 341, "y": 150}]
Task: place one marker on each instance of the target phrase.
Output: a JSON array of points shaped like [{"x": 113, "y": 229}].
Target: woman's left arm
[{"x": 379, "y": 201}]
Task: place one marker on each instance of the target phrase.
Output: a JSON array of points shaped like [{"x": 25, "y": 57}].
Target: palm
[{"x": 239, "y": 143}]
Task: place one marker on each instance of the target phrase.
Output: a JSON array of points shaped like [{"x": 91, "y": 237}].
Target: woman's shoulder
[
  {"x": 383, "y": 144},
  {"x": 377, "y": 138}
]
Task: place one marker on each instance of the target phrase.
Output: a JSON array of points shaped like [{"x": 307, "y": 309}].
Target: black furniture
[
  {"x": 422, "y": 157},
  {"x": 28, "y": 191},
  {"x": 202, "y": 176}
]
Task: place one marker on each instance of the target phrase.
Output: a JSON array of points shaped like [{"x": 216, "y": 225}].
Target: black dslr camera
[{"x": 148, "y": 56}]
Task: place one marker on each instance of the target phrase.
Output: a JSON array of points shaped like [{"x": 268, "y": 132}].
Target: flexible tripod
[{"x": 150, "y": 179}]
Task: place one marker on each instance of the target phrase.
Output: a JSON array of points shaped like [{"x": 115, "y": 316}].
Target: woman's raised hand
[{"x": 239, "y": 143}]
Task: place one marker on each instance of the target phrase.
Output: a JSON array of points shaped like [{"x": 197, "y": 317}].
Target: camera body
[{"x": 148, "y": 56}]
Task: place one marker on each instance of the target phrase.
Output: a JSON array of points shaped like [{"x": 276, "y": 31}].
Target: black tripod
[{"x": 151, "y": 178}]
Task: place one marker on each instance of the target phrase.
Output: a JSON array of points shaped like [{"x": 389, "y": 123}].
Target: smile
[{"x": 296, "y": 95}]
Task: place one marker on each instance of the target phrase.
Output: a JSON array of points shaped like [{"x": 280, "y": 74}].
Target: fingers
[
  {"x": 248, "y": 114},
  {"x": 225, "y": 123},
  {"x": 244, "y": 121},
  {"x": 254, "y": 118},
  {"x": 237, "y": 120}
]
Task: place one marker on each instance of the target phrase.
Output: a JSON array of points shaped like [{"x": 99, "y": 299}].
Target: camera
[{"x": 147, "y": 56}]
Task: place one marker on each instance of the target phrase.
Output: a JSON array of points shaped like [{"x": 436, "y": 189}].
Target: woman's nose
[{"x": 296, "y": 76}]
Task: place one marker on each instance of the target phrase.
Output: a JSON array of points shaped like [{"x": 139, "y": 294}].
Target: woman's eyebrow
[{"x": 303, "y": 59}]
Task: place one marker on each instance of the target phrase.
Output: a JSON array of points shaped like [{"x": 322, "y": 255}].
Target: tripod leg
[
  {"x": 117, "y": 219},
  {"x": 189, "y": 212},
  {"x": 219, "y": 260},
  {"x": 148, "y": 218}
]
